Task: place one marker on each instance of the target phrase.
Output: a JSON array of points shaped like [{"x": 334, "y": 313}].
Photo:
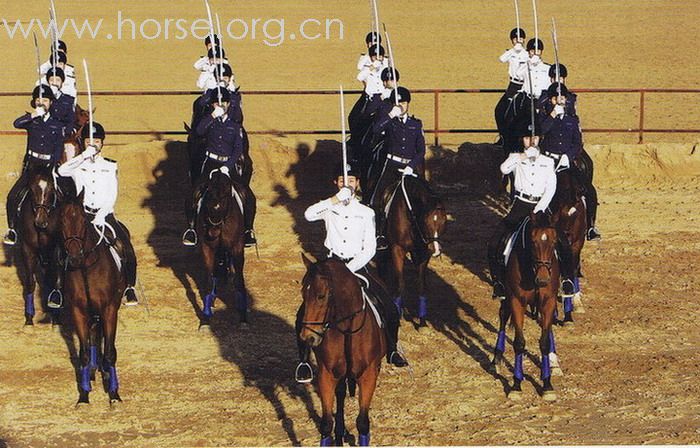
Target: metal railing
[{"x": 436, "y": 131}]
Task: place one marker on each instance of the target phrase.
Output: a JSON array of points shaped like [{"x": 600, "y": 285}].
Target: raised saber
[
  {"x": 393, "y": 67},
  {"x": 211, "y": 37},
  {"x": 221, "y": 48},
  {"x": 517, "y": 18},
  {"x": 55, "y": 25},
  {"x": 537, "y": 29},
  {"x": 376, "y": 19},
  {"x": 345, "y": 146},
  {"x": 557, "y": 73},
  {"x": 89, "y": 92},
  {"x": 532, "y": 103},
  {"x": 54, "y": 52},
  {"x": 38, "y": 66}
]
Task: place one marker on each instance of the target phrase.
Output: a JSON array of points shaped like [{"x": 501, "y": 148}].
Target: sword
[
  {"x": 211, "y": 37},
  {"x": 221, "y": 48},
  {"x": 557, "y": 73},
  {"x": 89, "y": 92},
  {"x": 345, "y": 146},
  {"x": 55, "y": 25},
  {"x": 54, "y": 52},
  {"x": 517, "y": 18},
  {"x": 376, "y": 18},
  {"x": 532, "y": 103},
  {"x": 393, "y": 67},
  {"x": 537, "y": 30},
  {"x": 38, "y": 66}
]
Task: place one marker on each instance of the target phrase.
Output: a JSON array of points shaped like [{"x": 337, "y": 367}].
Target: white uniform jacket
[
  {"x": 99, "y": 181},
  {"x": 536, "y": 179}
]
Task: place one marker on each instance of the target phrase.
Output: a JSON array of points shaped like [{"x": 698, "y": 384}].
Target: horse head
[
  {"x": 316, "y": 294},
  {"x": 543, "y": 241},
  {"x": 218, "y": 198},
  {"x": 567, "y": 204},
  {"x": 430, "y": 213},
  {"x": 43, "y": 196},
  {"x": 74, "y": 228}
]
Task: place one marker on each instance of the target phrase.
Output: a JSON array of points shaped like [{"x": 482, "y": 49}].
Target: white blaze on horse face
[
  {"x": 43, "y": 184},
  {"x": 436, "y": 244},
  {"x": 544, "y": 237},
  {"x": 571, "y": 212}
]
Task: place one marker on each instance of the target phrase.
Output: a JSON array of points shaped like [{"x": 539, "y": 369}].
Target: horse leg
[
  {"x": 109, "y": 359},
  {"x": 553, "y": 357},
  {"x": 367, "y": 383},
  {"x": 422, "y": 300},
  {"x": 81, "y": 321},
  {"x": 503, "y": 315},
  {"x": 340, "y": 431},
  {"x": 239, "y": 284},
  {"x": 398, "y": 257},
  {"x": 95, "y": 344},
  {"x": 208, "y": 254},
  {"x": 326, "y": 389},
  {"x": 28, "y": 284},
  {"x": 518, "y": 313},
  {"x": 53, "y": 284},
  {"x": 545, "y": 348}
]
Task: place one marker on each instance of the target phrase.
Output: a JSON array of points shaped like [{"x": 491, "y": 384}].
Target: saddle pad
[
  {"x": 115, "y": 256},
  {"x": 510, "y": 244},
  {"x": 364, "y": 284},
  {"x": 238, "y": 199},
  {"x": 391, "y": 200}
]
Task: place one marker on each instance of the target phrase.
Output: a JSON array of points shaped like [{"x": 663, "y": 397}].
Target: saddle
[
  {"x": 512, "y": 240},
  {"x": 370, "y": 298}
]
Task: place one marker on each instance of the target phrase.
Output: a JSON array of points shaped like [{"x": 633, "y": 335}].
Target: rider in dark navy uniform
[
  {"x": 63, "y": 107},
  {"x": 404, "y": 145},
  {"x": 570, "y": 96},
  {"x": 224, "y": 147},
  {"x": 45, "y": 136}
]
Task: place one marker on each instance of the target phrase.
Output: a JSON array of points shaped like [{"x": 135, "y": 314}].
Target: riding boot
[
  {"x": 566, "y": 263},
  {"x": 249, "y": 210},
  {"x": 495, "y": 248},
  {"x": 128, "y": 256},
  {"x": 392, "y": 319},
  {"x": 303, "y": 373},
  {"x": 189, "y": 238}
]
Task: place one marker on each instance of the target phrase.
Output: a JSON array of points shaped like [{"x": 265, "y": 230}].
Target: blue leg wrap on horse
[
  {"x": 113, "y": 380},
  {"x": 577, "y": 286},
  {"x": 208, "y": 301},
  {"x": 85, "y": 379},
  {"x": 422, "y": 307},
  {"x": 364, "y": 440},
  {"x": 241, "y": 301},
  {"x": 29, "y": 304},
  {"x": 568, "y": 305},
  {"x": 552, "y": 345},
  {"x": 326, "y": 441},
  {"x": 501, "y": 341},
  {"x": 546, "y": 372},
  {"x": 213, "y": 286},
  {"x": 93, "y": 357},
  {"x": 518, "y": 370},
  {"x": 397, "y": 302}
]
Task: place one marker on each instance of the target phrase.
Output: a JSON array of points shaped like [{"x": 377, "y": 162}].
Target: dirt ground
[{"x": 630, "y": 362}]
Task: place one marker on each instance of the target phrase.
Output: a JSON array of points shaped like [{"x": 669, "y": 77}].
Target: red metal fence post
[
  {"x": 436, "y": 128},
  {"x": 641, "y": 117}
]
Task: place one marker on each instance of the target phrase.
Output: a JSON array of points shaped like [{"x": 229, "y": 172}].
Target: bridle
[
  {"x": 80, "y": 241},
  {"x": 537, "y": 263}
]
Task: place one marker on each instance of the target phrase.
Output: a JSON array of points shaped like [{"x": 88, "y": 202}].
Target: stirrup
[
  {"x": 303, "y": 380},
  {"x": 128, "y": 302},
  {"x": 55, "y": 304},
  {"x": 402, "y": 361},
  {"x": 250, "y": 239},
  {"x": 187, "y": 242},
  {"x": 499, "y": 291},
  {"x": 593, "y": 235},
  {"x": 382, "y": 243},
  {"x": 564, "y": 283},
  {"x": 10, "y": 237}
]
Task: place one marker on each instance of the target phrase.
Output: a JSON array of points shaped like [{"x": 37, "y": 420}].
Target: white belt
[
  {"x": 217, "y": 157},
  {"x": 528, "y": 198},
  {"x": 36, "y": 155},
  {"x": 398, "y": 159},
  {"x": 517, "y": 81}
]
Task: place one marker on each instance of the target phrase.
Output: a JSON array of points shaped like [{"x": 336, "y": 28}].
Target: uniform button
[
  {"x": 345, "y": 228},
  {"x": 344, "y": 241}
]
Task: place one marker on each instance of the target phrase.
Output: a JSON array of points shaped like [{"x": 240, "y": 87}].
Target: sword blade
[
  {"x": 89, "y": 92},
  {"x": 344, "y": 143}
]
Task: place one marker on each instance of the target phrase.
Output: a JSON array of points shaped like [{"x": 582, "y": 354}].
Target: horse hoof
[
  {"x": 515, "y": 395},
  {"x": 493, "y": 368},
  {"x": 549, "y": 395},
  {"x": 568, "y": 323},
  {"x": 82, "y": 402},
  {"x": 114, "y": 400},
  {"x": 204, "y": 328},
  {"x": 556, "y": 371}
]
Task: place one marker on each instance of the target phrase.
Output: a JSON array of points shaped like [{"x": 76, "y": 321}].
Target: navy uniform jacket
[
  {"x": 562, "y": 136},
  {"x": 545, "y": 105},
  {"x": 405, "y": 140},
  {"x": 224, "y": 138},
  {"x": 63, "y": 109},
  {"x": 43, "y": 136}
]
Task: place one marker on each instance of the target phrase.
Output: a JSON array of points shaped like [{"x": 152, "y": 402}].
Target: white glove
[
  {"x": 535, "y": 60},
  {"x": 396, "y": 111},
  {"x": 564, "y": 162},
  {"x": 518, "y": 47},
  {"x": 559, "y": 110},
  {"x": 99, "y": 219},
  {"x": 90, "y": 151},
  {"x": 344, "y": 195},
  {"x": 40, "y": 111},
  {"x": 407, "y": 171},
  {"x": 376, "y": 65},
  {"x": 218, "y": 112},
  {"x": 532, "y": 152},
  {"x": 539, "y": 208},
  {"x": 55, "y": 90}
]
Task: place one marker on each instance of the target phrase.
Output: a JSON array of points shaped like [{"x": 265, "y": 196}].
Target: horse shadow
[
  {"x": 266, "y": 358},
  {"x": 312, "y": 178},
  {"x": 168, "y": 190}
]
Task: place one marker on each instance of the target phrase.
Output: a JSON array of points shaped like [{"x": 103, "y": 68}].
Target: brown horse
[
  {"x": 221, "y": 234},
  {"x": 569, "y": 216},
  {"x": 415, "y": 222},
  {"x": 532, "y": 277},
  {"x": 346, "y": 339},
  {"x": 37, "y": 234},
  {"x": 94, "y": 287}
]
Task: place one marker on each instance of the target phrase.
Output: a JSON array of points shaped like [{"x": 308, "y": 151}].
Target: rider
[
  {"x": 63, "y": 107},
  {"x": 370, "y": 77},
  {"x": 96, "y": 176},
  {"x": 534, "y": 71},
  {"x": 404, "y": 145},
  {"x": 207, "y": 78},
  {"x": 535, "y": 185},
  {"x": 563, "y": 143},
  {"x": 203, "y": 64},
  {"x": 350, "y": 239},
  {"x": 515, "y": 57},
  {"x": 224, "y": 147},
  {"x": 45, "y": 136},
  {"x": 61, "y": 58},
  {"x": 570, "y": 96}
]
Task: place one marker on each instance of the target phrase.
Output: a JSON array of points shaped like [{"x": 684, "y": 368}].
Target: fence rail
[{"x": 435, "y": 131}]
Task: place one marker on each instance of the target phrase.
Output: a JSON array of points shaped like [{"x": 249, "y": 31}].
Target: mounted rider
[
  {"x": 350, "y": 238},
  {"x": 63, "y": 107},
  {"x": 369, "y": 75},
  {"x": 96, "y": 177},
  {"x": 61, "y": 61},
  {"x": 207, "y": 78},
  {"x": 45, "y": 134},
  {"x": 224, "y": 148},
  {"x": 515, "y": 57}
]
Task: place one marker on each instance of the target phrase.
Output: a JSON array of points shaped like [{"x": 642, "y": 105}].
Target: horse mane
[
  {"x": 422, "y": 196},
  {"x": 567, "y": 190}
]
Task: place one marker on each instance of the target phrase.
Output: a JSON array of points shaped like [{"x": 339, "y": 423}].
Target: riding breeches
[
  {"x": 497, "y": 243},
  {"x": 387, "y": 176},
  {"x": 14, "y": 198},
  {"x": 128, "y": 254}
]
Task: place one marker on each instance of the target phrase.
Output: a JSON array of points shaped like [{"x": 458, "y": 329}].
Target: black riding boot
[
  {"x": 128, "y": 259},
  {"x": 14, "y": 197},
  {"x": 495, "y": 248},
  {"x": 566, "y": 264},
  {"x": 189, "y": 238},
  {"x": 303, "y": 373},
  {"x": 249, "y": 210}
]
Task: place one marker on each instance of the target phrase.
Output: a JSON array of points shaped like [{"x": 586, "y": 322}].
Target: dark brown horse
[
  {"x": 94, "y": 287},
  {"x": 37, "y": 234},
  {"x": 569, "y": 216},
  {"x": 220, "y": 229},
  {"x": 532, "y": 278},
  {"x": 346, "y": 339},
  {"x": 415, "y": 222}
]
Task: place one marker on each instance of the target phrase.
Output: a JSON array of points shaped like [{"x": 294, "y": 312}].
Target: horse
[
  {"x": 221, "y": 234},
  {"x": 94, "y": 287},
  {"x": 37, "y": 235},
  {"x": 415, "y": 222},
  {"x": 569, "y": 216},
  {"x": 532, "y": 277},
  {"x": 348, "y": 343}
]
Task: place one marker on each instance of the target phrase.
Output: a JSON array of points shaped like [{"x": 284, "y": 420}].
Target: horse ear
[
  {"x": 81, "y": 196},
  {"x": 307, "y": 261}
]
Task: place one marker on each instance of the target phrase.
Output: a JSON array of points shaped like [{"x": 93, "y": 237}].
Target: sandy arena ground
[{"x": 630, "y": 362}]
